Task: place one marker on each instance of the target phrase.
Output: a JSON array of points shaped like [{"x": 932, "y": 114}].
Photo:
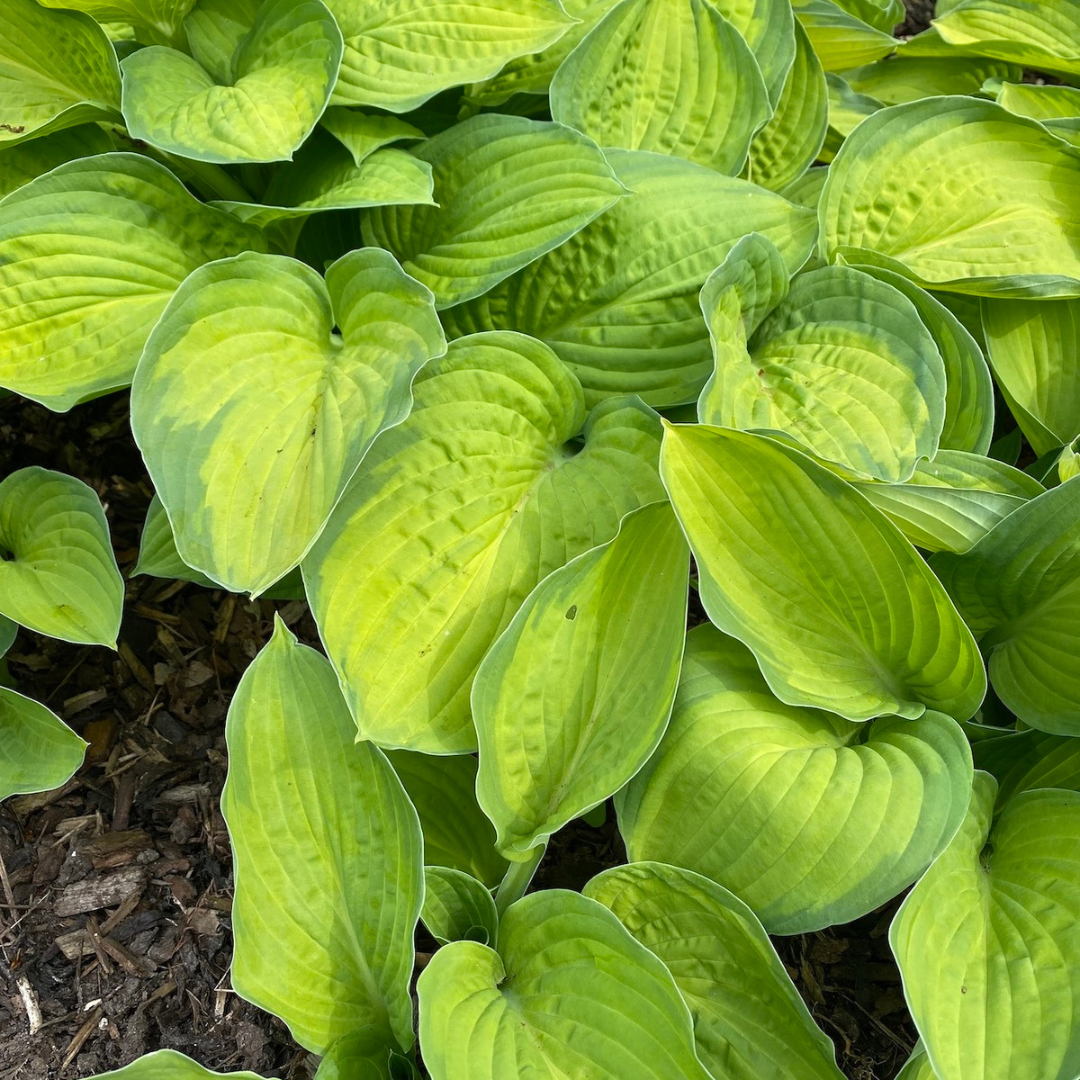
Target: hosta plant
[{"x": 499, "y": 331}]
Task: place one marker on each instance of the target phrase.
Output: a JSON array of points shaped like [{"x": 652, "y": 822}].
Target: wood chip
[
  {"x": 136, "y": 667},
  {"x": 100, "y": 891},
  {"x": 184, "y": 793},
  {"x": 79, "y": 702},
  {"x": 80, "y": 1037}
]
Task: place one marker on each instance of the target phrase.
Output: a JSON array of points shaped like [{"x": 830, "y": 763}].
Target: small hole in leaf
[{"x": 571, "y": 612}]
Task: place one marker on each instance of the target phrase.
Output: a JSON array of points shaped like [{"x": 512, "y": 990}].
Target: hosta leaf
[
  {"x": 840, "y": 39},
  {"x": 164, "y": 18},
  {"x": 508, "y": 189},
  {"x": 880, "y": 14},
  {"x": 619, "y": 302},
  {"x": 917, "y": 1067},
  {"x": 1019, "y": 590},
  {"x": 846, "y": 367},
  {"x": 328, "y": 855},
  {"x": 158, "y": 556},
  {"x": 749, "y": 1021},
  {"x": 987, "y": 942},
  {"x": 1068, "y": 464},
  {"x": 38, "y": 751},
  {"x": 810, "y": 819},
  {"x": 169, "y": 1065},
  {"x": 90, "y": 254},
  {"x": 455, "y": 516},
  {"x": 57, "y": 69},
  {"x": 574, "y": 696},
  {"x": 768, "y": 27},
  {"x": 838, "y": 608},
  {"x": 399, "y": 53},
  {"x": 1043, "y": 34},
  {"x": 790, "y": 141},
  {"x": 1024, "y": 760},
  {"x": 1057, "y": 108},
  {"x": 364, "y": 133},
  {"x": 672, "y": 76},
  {"x": 281, "y": 78},
  {"x": 903, "y": 78},
  {"x": 252, "y": 413},
  {"x": 58, "y": 575},
  {"x": 969, "y": 395},
  {"x": 21, "y": 163},
  {"x": 952, "y": 502},
  {"x": 847, "y": 110},
  {"x": 215, "y": 29},
  {"x": 1033, "y": 351},
  {"x": 457, "y": 907},
  {"x": 367, "y": 1054},
  {"x": 8, "y": 632},
  {"x": 457, "y": 835},
  {"x": 569, "y": 993},
  {"x": 957, "y": 193},
  {"x": 806, "y": 191}
]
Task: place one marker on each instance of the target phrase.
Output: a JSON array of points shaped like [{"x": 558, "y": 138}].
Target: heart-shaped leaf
[
  {"x": 58, "y": 575},
  {"x": 328, "y": 855},
  {"x": 749, "y": 1021},
  {"x": 665, "y": 75},
  {"x": 619, "y": 301},
  {"x": 960, "y": 194},
  {"x": 364, "y": 133},
  {"x": 169, "y": 1065},
  {"x": 57, "y": 69},
  {"x": 987, "y": 942},
  {"x": 454, "y": 517},
  {"x": 568, "y": 993},
  {"x": 508, "y": 189},
  {"x": 38, "y": 751},
  {"x": 574, "y": 696},
  {"x": 1019, "y": 590},
  {"x": 252, "y": 413},
  {"x": 810, "y": 819},
  {"x": 839, "y": 609},
  {"x": 90, "y": 254},
  {"x": 282, "y": 74},
  {"x": 214, "y": 30},
  {"x": 457, "y": 907}
]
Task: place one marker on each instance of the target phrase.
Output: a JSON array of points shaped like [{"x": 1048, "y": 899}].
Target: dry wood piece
[
  {"x": 184, "y": 793},
  {"x": 101, "y": 890}
]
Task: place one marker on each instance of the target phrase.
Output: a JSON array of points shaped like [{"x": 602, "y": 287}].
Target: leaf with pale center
[{"x": 38, "y": 751}]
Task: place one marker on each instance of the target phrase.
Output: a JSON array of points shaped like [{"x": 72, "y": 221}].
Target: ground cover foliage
[{"x": 499, "y": 333}]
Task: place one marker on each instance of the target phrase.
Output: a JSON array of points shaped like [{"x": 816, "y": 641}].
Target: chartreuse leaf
[
  {"x": 846, "y": 367},
  {"x": 749, "y": 1021},
  {"x": 619, "y": 301},
  {"x": 574, "y": 696},
  {"x": 215, "y": 29},
  {"x": 328, "y": 855},
  {"x": 987, "y": 942},
  {"x": 768, "y": 27},
  {"x": 158, "y": 556},
  {"x": 399, "y": 53},
  {"x": 252, "y": 413},
  {"x": 457, "y": 834},
  {"x": 38, "y": 751},
  {"x": 952, "y": 502},
  {"x": 508, "y": 189},
  {"x": 806, "y": 191},
  {"x": 58, "y": 575},
  {"x": 847, "y": 110},
  {"x": 457, "y": 907},
  {"x": 169, "y": 1065},
  {"x": 1068, "y": 464},
  {"x": 163, "y": 18},
  {"x": 282, "y": 74},
  {"x": 567, "y": 993},
  {"x": 917, "y": 1067},
  {"x": 1032, "y": 347},
  {"x": 90, "y": 254},
  {"x": 455, "y": 516},
  {"x": 838, "y": 608},
  {"x": 1024, "y": 760},
  {"x": 57, "y": 69},
  {"x": 365, "y": 1054},
  {"x": 1043, "y": 34},
  {"x": 957, "y": 193},
  {"x": 810, "y": 819},
  {"x": 21, "y": 163},
  {"x": 364, "y": 133},
  {"x": 1019, "y": 590},
  {"x": 672, "y": 76},
  {"x": 1056, "y": 107},
  {"x": 969, "y": 394},
  {"x": 790, "y": 141},
  {"x": 903, "y": 78},
  {"x": 8, "y": 632},
  {"x": 880, "y": 14},
  {"x": 840, "y": 39}
]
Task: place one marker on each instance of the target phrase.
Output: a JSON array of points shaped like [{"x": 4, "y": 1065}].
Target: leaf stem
[{"x": 517, "y": 879}]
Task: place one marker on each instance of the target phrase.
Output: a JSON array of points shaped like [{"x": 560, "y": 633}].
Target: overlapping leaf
[
  {"x": 327, "y": 851},
  {"x": 672, "y": 76},
  {"x": 252, "y": 413},
  {"x": 810, "y": 819},
  {"x": 1025, "y": 760},
  {"x": 749, "y": 1021},
  {"x": 364, "y": 133},
  {"x": 574, "y": 696},
  {"x": 619, "y": 302},
  {"x": 841, "y": 39},
  {"x": 987, "y": 942},
  {"x": 838, "y": 608},
  {"x": 457, "y": 907},
  {"x": 90, "y": 254},
  {"x": 567, "y": 993},
  {"x": 38, "y": 751},
  {"x": 455, "y": 516},
  {"x": 1019, "y": 590},
  {"x": 58, "y": 574},
  {"x": 163, "y": 19},
  {"x": 22, "y": 162},
  {"x": 1057, "y": 108},
  {"x": 904, "y": 78},
  {"x": 169, "y": 1065}
]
